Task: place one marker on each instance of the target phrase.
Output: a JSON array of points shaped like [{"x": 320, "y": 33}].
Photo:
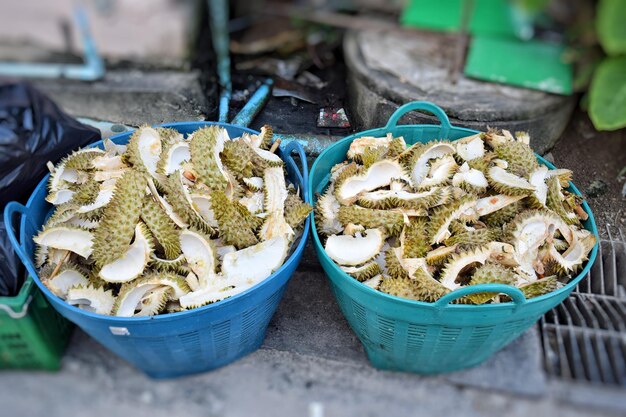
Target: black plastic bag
[{"x": 33, "y": 131}]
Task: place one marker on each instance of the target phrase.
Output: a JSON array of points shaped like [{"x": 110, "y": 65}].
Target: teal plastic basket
[{"x": 427, "y": 338}]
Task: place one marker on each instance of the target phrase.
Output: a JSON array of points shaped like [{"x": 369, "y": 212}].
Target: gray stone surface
[
  {"x": 133, "y": 97},
  {"x": 386, "y": 70}
]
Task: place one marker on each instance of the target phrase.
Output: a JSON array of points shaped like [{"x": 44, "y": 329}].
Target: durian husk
[
  {"x": 90, "y": 298},
  {"x": 82, "y": 159},
  {"x": 503, "y": 216},
  {"x": 393, "y": 265},
  {"x": 205, "y": 147},
  {"x": 236, "y": 224},
  {"x": 414, "y": 239},
  {"x": 555, "y": 203},
  {"x": 490, "y": 273},
  {"x": 522, "y": 161},
  {"x": 237, "y": 156},
  {"x": 363, "y": 272},
  {"x": 540, "y": 287},
  {"x": 117, "y": 226},
  {"x": 296, "y": 210},
  {"x": 162, "y": 227},
  {"x": 391, "y": 221}
]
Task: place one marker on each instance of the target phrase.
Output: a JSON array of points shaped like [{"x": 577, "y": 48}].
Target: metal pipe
[
  {"x": 254, "y": 105},
  {"x": 218, "y": 20},
  {"x": 91, "y": 70},
  {"x": 313, "y": 144}
]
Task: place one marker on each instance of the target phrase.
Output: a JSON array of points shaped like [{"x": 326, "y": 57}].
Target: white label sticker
[{"x": 119, "y": 331}]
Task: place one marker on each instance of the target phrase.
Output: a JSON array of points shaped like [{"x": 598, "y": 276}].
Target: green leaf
[
  {"x": 611, "y": 27},
  {"x": 607, "y": 95}
]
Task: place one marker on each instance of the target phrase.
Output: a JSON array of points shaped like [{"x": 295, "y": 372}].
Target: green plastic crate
[{"x": 32, "y": 334}]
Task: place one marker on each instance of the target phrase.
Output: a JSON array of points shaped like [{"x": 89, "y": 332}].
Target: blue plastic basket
[
  {"x": 406, "y": 335},
  {"x": 181, "y": 343}
]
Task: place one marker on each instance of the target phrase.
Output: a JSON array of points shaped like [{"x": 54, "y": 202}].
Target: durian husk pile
[
  {"x": 167, "y": 223},
  {"x": 421, "y": 221}
]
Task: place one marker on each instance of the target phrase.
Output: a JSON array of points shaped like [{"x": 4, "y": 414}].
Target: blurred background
[{"x": 318, "y": 71}]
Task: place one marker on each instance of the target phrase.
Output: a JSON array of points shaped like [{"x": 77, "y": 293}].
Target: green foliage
[
  {"x": 611, "y": 27},
  {"x": 607, "y": 95}
]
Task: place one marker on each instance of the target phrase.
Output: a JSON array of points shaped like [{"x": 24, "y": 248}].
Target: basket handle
[
  {"x": 516, "y": 295},
  {"x": 304, "y": 171},
  {"x": 10, "y": 211},
  {"x": 421, "y": 105}
]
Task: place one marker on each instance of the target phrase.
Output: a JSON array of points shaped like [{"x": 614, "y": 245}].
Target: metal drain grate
[{"x": 584, "y": 338}]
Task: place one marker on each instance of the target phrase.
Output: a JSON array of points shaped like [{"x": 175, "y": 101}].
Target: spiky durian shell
[
  {"x": 86, "y": 193},
  {"x": 482, "y": 163},
  {"x": 296, "y": 210},
  {"x": 117, "y": 226},
  {"x": 403, "y": 287},
  {"x": 170, "y": 279},
  {"x": 556, "y": 204},
  {"x": 363, "y": 272},
  {"x": 443, "y": 215},
  {"x": 97, "y": 282},
  {"x": 490, "y": 273},
  {"x": 267, "y": 136},
  {"x": 408, "y": 157},
  {"x": 422, "y": 200},
  {"x": 253, "y": 222},
  {"x": 393, "y": 265},
  {"x": 326, "y": 221},
  {"x": 391, "y": 221},
  {"x": 540, "y": 287},
  {"x": 61, "y": 214},
  {"x": 501, "y": 217},
  {"x": 179, "y": 199},
  {"x": 435, "y": 164},
  {"x": 168, "y": 135},
  {"x": 169, "y": 140},
  {"x": 46, "y": 270},
  {"x": 132, "y": 156},
  {"x": 371, "y": 155},
  {"x": 415, "y": 239},
  {"x": 467, "y": 239},
  {"x": 396, "y": 147},
  {"x": 162, "y": 227},
  {"x": 82, "y": 159},
  {"x": 521, "y": 159},
  {"x": 430, "y": 290},
  {"x": 439, "y": 256},
  {"x": 420, "y": 287},
  {"x": 100, "y": 300},
  {"x": 175, "y": 284},
  {"x": 204, "y": 158},
  {"x": 263, "y": 159},
  {"x": 503, "y": 188},
  {"x": 513, "y": 228},
  {"x": 237, "y": 156},
  {"x": 154, "y": 302},
  {"x": 93, "y": 215},
  {"x": 458, "y": 263},
  {"x": 348, "y": 171},
  {"x": 234, "y": 226},
  {"x": 176, "y": 265}
]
